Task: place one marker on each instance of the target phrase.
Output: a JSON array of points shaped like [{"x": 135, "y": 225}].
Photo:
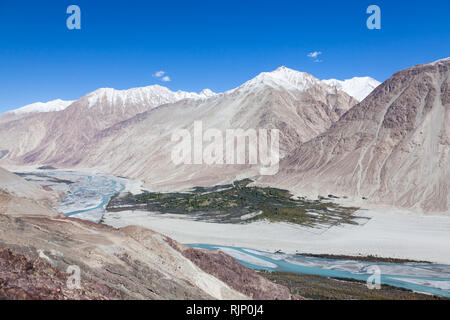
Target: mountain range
[
  {"x": 357, "y": 87},
  {"x": 139, "y": 122}
]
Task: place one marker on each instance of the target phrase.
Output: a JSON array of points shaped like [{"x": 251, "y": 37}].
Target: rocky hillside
[
  {"x": 22, "y": 278},
  {"x": 128, "y": 263}
]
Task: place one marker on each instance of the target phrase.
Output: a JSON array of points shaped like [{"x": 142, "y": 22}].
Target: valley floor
[{"x": 387, "y": 234}]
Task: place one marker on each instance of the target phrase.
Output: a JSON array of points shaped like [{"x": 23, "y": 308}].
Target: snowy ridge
[
  {"x": 281, "y": 78},
  {"x": 154, "y": 95},
  {"x": 438, "y": 61},
  {"x": 289, "y": 79},
  {"x": 357, "y": 87},
  {"x": 51, "y": 106}
]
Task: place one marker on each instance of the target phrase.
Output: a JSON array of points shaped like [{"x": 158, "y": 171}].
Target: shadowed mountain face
[{"x": 391, "y": 148}]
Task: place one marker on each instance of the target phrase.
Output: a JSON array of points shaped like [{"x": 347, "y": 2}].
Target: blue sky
[{"x": 214, "y": 44}]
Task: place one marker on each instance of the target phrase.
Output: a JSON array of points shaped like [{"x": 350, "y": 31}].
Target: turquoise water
[
  {"x": 426, "y": 278},
  {"x": 95, "y": 189},
  {"x": 85, "y": 194}
]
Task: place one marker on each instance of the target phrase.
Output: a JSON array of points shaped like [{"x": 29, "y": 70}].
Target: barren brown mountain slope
[{"x": 392, "y": 148}]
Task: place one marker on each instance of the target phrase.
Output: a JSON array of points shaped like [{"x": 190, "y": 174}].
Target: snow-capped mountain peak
[
  {"x": 289, "y": 79},
  {"x": 152, "y": 96},
  {"x": 207, "y": 93},
  {"x": 282, "y": 77},
  {"x": 149, "y": 96},
  {"x": 444, "y": 60},
  {"x": 357, "y": 87},
  {"x": 50, "y": 106}
]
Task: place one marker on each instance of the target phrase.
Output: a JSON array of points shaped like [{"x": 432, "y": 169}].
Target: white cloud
[
  {"x": 165, "y": 79},
  {"x": 159, "y": 74},
  {"x": 314, "y": 54}
]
